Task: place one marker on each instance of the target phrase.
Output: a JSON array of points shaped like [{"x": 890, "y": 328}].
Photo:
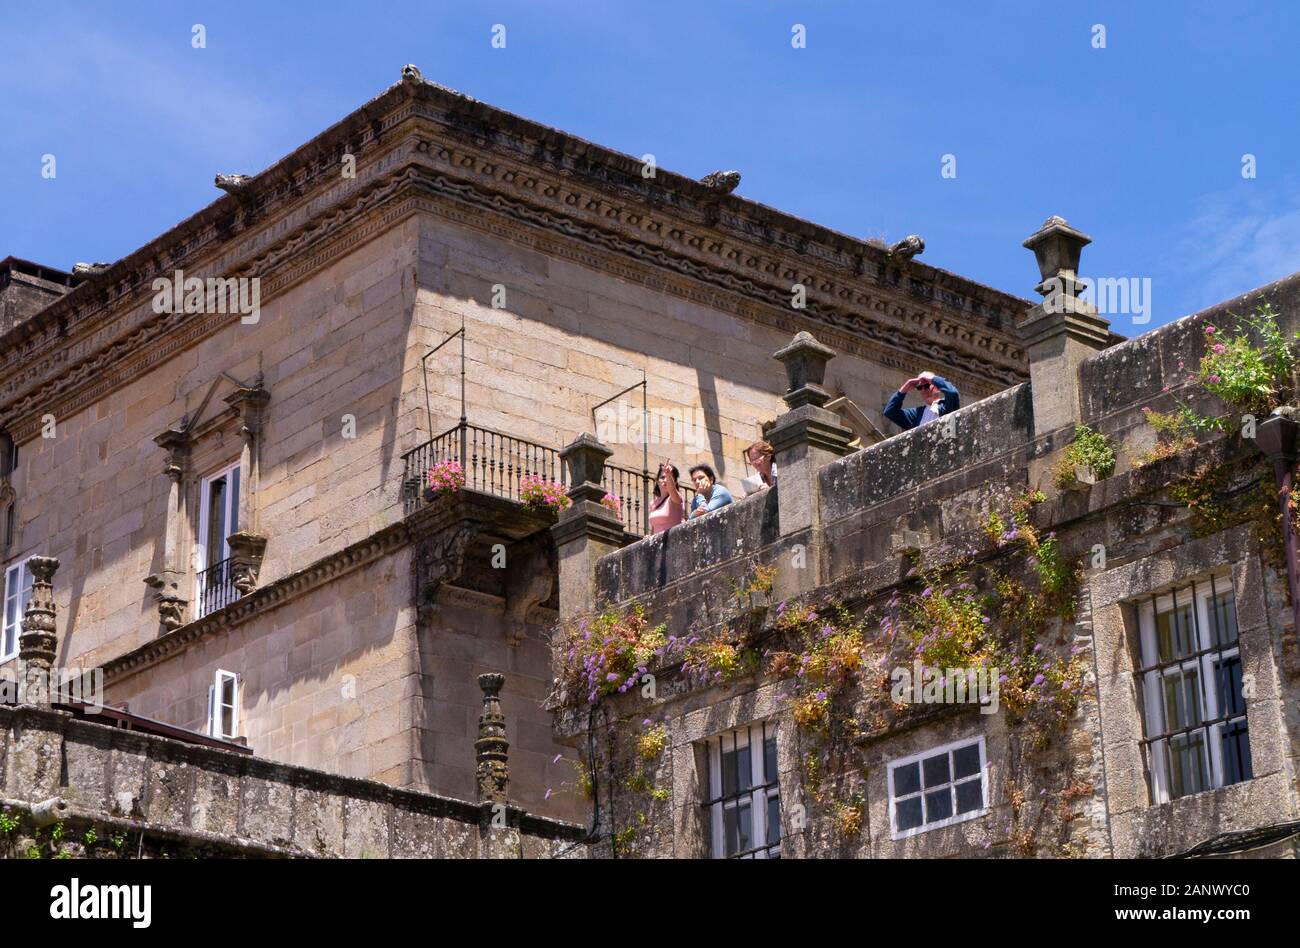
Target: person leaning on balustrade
[
  {"x": 669, "y": 507},
  {"x": 760, "y": 455},
  {"x": 709, "y": 494}
]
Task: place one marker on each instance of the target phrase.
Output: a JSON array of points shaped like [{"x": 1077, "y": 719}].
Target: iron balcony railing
[
  {"x": 492, "y": 462},
  {"x": 496, "y": 463},
  {"x": 216, "y": 587}
]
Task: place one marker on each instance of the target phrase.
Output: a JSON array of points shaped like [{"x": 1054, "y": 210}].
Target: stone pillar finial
[
  {"x": 1057, "y": 247},
  {"x": 38, "y": 644},
  {"x": 1061, "y": 331},
  {"x": 586, "y": 530},
  {"x": 585, "y": 458},
  {"x": 805, "y": 361},
  {"x": 805, "y": 439},
  {"x": 491, "y": 748}
]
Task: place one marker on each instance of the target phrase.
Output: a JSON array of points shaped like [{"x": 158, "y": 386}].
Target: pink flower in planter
[
  {"x": 446, "y": 476},
  {"x": 541, "y": 494},
  {"x": 612, "y": 502}
]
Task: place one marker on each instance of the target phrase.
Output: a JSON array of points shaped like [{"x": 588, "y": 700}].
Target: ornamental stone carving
[{"x": 246, "y": 551}]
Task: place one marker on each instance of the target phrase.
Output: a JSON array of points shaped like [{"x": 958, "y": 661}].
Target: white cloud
[{"x": 1235, "y": 241}]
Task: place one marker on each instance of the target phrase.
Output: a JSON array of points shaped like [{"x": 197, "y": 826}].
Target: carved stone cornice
[{"x": 300, "y": 214}]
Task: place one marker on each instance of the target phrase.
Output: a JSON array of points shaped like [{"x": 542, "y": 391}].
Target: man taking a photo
[{"x": 938, "y": 393}]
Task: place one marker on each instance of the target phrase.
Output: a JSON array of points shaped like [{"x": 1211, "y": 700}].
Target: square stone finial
[
  {"x": 585, "y": 458},
  {"x": 805, "y": 361},
  {"x": 1057, "y": 247}
]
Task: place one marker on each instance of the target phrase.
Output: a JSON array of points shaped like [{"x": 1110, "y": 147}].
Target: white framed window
[
  {"x": 223, "y": 705},
  {"x": 744, "y": 802},
  {"x": 1190, "y": 690},
  {"x": 218, "y": 519},
  {"x": 940, "y": 787},
  {"x": 17, "y": 593}
]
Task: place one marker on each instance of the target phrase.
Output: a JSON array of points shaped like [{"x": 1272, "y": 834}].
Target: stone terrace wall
[
  {"x": 205, "y": 800},
  {"x": 930, "y": 487}
]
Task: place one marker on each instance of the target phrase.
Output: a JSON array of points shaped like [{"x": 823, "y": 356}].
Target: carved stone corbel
[
  {"x": 439, "y": 558},
  {"x": 530, "y": 580},
  {"x": 246, "y": 551},
  {"x": 171, "y": 604}
]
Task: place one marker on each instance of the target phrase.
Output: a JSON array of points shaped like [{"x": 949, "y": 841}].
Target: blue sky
[{"x": 1139, "y": 144}]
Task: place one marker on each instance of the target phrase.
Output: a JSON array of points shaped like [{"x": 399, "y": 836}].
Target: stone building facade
[
  {"x": 232, "y": 482},
  {"x": 1159, "y": 722}
]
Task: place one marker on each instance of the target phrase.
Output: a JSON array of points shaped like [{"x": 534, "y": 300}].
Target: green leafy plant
[{"x": 1089, "y": 449}]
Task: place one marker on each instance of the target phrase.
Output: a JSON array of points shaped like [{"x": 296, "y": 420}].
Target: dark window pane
[
  {"x": 938, "y": 805},
  {"x": 1236, "y": 753},
  {"x": 1228, "y": 682},
  {"x": 1182, "y": 699},
  {"x": 745, "y": 821},
  {"x": 907, "y": 779},
  {"x": 1174, "y": 632},
  {"x": 773, "y": 820},
  {"x": 970, "y": 796},
  {"x": 769, "y": 758},
  {"x": 744, "y": 768},
  {"x": 965, "y": 761},
  {"x": 1223, "y": 619},
  {"x": 936, "y": 770},
  {"x": 731, "y": 840},
  {"x": 908, "y": 813},
  {"x": 1187, "y": 765},
  {"x": 728, "y": 770}
]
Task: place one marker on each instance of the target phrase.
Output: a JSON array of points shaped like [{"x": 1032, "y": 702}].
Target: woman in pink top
[{"x": 669, "y": 508}]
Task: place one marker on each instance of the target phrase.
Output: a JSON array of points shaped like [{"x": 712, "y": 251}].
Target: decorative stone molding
[
  {"x": 530, "y": 581},
  {"x": 263, "y": 599},
  {"x": 171, "y": 604},
  {"x": 38, "y": 642},
  {"x": 439, "y": 558},
  {"x": 65, "y": 339},
  {"x": 246, "y": 550},
  {"x": 493, "y": 770}
]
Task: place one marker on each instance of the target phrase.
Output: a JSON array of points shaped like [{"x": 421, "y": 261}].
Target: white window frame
[
  {"x": 956, "y": 818},
  {"x": 231, "y": 517},
  {"x": 1206, "y": 666},
  {"x": 17, "y": 586},
  {"x": 215, "y": 704},
  {"x": 763, "y": 788}
]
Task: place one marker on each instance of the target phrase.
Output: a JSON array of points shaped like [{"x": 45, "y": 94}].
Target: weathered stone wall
[
  {"x": 95, "y": 495},
  {"x": 164, "y": 798},
  {"x": 570, "y": 336},
  {"x": 931, "y": 488},
  {"x": 342, "y": 679}
]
